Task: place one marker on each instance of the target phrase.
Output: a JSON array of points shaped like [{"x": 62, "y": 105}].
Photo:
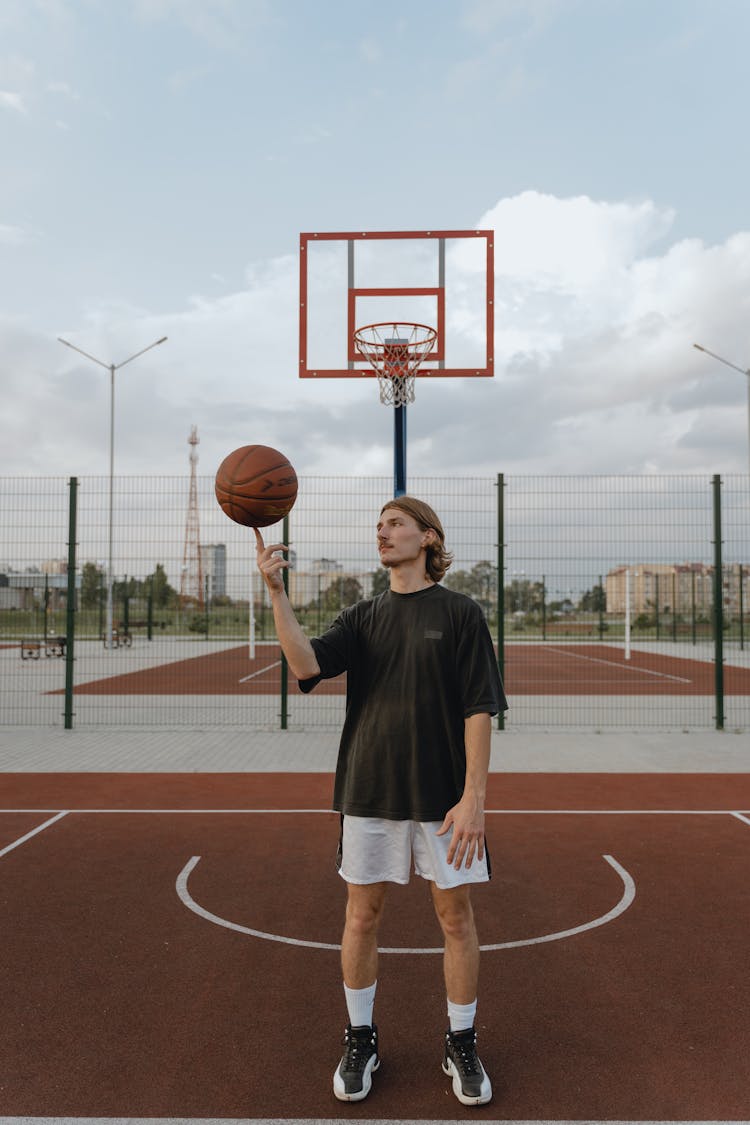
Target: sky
[{"x": 158, "y": 159}]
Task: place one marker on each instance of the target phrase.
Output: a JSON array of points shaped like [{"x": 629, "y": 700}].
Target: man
[{"x": 422, "y": 684}]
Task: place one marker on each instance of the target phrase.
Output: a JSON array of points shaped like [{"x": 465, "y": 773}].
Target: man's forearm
[
  {"x": 477, "y": 730},
  {"x": 294, "y": 644}
]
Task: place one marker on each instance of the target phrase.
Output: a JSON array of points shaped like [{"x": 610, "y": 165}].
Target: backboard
[{"x": 443, "y": 278}]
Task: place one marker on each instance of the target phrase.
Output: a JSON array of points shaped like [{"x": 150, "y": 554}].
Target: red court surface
[
  {"x": 169, "y": 946},
  {"x": 533, "y": 669}
]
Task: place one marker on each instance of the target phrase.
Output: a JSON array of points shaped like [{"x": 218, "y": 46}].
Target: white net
[{"x": 396, "y": 352}]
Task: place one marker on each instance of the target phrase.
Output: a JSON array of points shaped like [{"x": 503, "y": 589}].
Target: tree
[
  {"x": 342, "y": 592},
  {"x": 381, "y": 580},
  {"x": 351, "y": 591},
  {"x": 523, "y": 596},
  {"x": 91, "y": 585},
  {"x": 479, "y": 582},
  {"x": 162, "y": 593},
  {"x": 594, "y": 600}
]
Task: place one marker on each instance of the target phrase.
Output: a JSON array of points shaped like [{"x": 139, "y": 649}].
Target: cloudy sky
[{"x": 159, "y": 158}]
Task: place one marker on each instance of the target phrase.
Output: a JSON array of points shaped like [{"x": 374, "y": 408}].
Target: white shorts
[{"x": 381, "y": 851}]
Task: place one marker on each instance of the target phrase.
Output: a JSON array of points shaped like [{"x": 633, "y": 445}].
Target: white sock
[
  {"x": 461, "y": 1016},
  {"x": 359, "y": 1004}
]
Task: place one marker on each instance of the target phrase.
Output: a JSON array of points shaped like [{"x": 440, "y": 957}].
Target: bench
[
  {"x": 33, "y": 649},
  {"x": 119, "y": 639}
]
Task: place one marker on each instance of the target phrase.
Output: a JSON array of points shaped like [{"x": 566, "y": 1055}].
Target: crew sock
[
  {"x": 461, "y": 1016},
  {"x": 359, "y": 1004}
]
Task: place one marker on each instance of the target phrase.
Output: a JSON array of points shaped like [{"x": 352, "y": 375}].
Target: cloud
[
  {"x": 371, "y": 51},
  {"x": 63, "y": 89},
  {"x": 12, "y": 235},
  {"x": 510, "y": 16},
  {"x": 595, "y": 369},
  {"x": 223, "y": 24},
  {"x": 9, "y": 99}
]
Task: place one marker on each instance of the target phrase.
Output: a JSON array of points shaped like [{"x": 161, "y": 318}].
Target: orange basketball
[{"x": 256, "y": 485}]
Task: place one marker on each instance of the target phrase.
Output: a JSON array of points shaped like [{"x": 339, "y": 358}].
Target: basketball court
[
  {"x": 530, "y": 669},
  {"x": 173, "y": 952}
]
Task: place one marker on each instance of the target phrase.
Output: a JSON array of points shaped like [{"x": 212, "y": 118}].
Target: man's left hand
[{"x": 467, "y": 842}]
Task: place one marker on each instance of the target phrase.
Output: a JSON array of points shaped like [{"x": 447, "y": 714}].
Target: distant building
[
  {"x": 28, "y": 589},
  {"x": 214, "y": 567},
  {"x": 306, "y": 588},
  {"x": 54, "y": 566},
  {"x": 677, "y": 588}
]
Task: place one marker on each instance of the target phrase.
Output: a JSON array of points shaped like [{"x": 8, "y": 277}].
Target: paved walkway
[{"x": 53, "y": 750}]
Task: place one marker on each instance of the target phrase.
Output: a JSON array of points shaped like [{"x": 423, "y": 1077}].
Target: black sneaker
[
  {"x": 352, "y": 1079},
  {"x": 470, "y": 1082}
]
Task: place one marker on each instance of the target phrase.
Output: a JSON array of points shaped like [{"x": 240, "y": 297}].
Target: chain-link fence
[{"x": 600, "y": 591}]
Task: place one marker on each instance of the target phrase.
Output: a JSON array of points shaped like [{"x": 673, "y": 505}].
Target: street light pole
[
  {"x": 111, "y": 367},
  {"x": 742, "y": 371}
]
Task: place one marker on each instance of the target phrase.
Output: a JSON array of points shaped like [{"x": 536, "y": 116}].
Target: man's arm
[
  {"x": 295, "y": 645},
  {"x": 467, "y": 817}
]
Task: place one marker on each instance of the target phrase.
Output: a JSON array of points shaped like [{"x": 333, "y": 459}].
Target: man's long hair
[{"x": 438, "y": 559}]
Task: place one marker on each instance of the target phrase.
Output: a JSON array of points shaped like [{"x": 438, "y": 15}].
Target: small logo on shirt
[{"x": 432, "y": 634}]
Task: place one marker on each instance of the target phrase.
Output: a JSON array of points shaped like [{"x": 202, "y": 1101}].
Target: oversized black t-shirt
[{"x": 417, "y": 665}]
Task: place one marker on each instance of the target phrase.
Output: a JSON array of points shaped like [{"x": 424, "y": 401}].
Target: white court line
[
  {"x": 623, "y": 667},
  {"x": 259, "y": 672},
  {"x": 34, "y": 832},
  {"x": 628, "y": 895},
  {"x": 328, "y": 1121},
  {"x": 333, "y": 812},
  {"x": 744, "y": 819}
]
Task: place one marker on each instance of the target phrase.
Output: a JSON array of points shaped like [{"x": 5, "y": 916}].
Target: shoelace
[
  {"x": 358, "y": 1051},
  {"x": 467, "y": 1060}
]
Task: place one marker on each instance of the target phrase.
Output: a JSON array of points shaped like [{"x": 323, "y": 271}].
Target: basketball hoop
[{"x": 396, "y": 352}]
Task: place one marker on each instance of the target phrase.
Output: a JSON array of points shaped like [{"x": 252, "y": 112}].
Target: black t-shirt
[{"x": 417, "y": 665}]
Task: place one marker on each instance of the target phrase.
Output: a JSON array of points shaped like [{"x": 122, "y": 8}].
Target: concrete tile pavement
[{"x": 53, "y": 750}]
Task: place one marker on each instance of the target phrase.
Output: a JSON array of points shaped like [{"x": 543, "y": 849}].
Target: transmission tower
[{"x": 191, "y": 584}]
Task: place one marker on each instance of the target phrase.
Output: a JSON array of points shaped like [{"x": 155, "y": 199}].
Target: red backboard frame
[{"x": 353, "y": 292}]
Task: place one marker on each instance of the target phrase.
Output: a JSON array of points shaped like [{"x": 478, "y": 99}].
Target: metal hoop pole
[
  {"x": 399, "y": 451},
  {"x": 394, "y": 355}
]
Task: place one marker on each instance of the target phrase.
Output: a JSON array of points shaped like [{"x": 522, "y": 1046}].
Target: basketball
[{"x": 256, "y": 485}]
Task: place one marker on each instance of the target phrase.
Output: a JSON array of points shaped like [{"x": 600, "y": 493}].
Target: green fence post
[
  {"x": 70, "y": 618},
  {"x": 150, "y": 609},
  {"x": 544, "y": 607},
  {"x": 656, "y": 604},
  {"x": 45, "y": 608},
  {"x": 206, "y": 603},
  {"x": 284, "y": 665},
  {"x": 742, "y": 610},
  {"x": 601, "y": 608},
  {"x": 501, "y": 586},
  {"x": 718, "y": 607}
]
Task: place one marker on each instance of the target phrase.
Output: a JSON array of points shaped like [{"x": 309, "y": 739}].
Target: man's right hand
[
  {"x": 270, "y": 562},
  {"x": 295, "y": 645}
]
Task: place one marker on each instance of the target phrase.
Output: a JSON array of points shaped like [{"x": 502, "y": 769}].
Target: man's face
[{"x": 400, "y": 538}]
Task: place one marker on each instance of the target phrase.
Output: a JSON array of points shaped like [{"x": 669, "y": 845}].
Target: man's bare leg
[
  {"x": 471, "y": 1084},
  {"x": 461, "y": 956},
  {"x": 352, "y": 1078},
  {"x": 359, "y": 945}
]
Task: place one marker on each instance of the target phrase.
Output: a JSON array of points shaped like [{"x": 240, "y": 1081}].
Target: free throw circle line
[{"x": 628, "y": 895}]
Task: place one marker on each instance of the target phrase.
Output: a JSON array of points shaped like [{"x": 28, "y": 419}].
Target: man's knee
[
  {"x": 364, "y": 907},
  {"x": 454, "y": 912}
]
